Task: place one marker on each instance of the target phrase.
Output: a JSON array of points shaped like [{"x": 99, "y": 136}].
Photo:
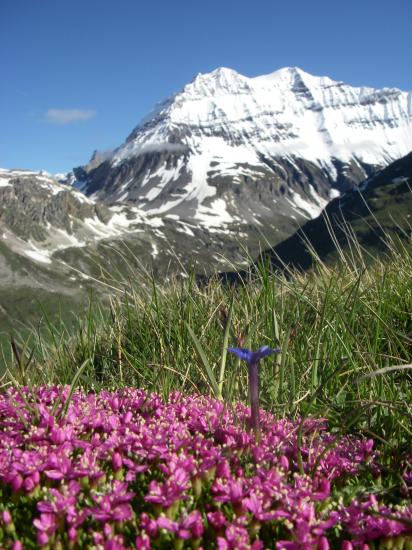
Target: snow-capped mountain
[
  {"x": 223, "y": 169},
  {"x": 232, "y": 149}
]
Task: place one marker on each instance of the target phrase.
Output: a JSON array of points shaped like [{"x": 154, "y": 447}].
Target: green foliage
[{"x": 347, "y": 319}]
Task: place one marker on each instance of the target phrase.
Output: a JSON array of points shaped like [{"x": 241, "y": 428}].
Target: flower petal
[
  {"x": 244, "y": 354},
  {"x": 264, "y": 351}
]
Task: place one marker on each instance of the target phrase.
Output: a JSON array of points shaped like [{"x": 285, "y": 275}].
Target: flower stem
[{"x": 254, "y": 398}]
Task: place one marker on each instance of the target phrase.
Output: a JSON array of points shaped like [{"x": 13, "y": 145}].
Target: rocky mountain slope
[
  {"x": 379, "y": 209},
  {"x": 56, "y": 243},
  {"x": 49, "y": 223},
  {"x": 222, "y": 162}
]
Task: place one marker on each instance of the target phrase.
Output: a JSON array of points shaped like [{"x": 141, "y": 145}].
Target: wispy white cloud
[
  {"x": 68, "y": 116},
  {"x": 134, "y": 150}
]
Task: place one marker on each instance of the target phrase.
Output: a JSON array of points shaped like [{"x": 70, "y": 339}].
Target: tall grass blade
[
  {"x": 212, "y": 379},
  {"x": 224, "y": 349},
  {"x": 385, "y": 370},
  {"x": 73, "y": 385}
]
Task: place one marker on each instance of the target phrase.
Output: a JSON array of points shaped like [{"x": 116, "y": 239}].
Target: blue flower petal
[
  {"x": 264, "y": 351},
  {"x": 253, "y": 357},
  {"x": 244, "y": 354}
]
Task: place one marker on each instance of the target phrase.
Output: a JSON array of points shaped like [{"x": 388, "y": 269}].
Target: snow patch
[
  {"x": 310, "y": 209},
  {"x": 37, "y": 254},
  {"x": 184, "y": 228},
  {"x": 334, "y": 193},
  {"x": 214, "y": 215},
  {"x": 155, "y": 250}
]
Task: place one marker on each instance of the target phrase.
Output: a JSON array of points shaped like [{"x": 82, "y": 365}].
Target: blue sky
[{"x": 78, "y": 75}]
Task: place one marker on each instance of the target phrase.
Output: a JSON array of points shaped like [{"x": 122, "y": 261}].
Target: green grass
[
  {"x": 336, "y": 327},
  {"x": 345, "y": 332}
]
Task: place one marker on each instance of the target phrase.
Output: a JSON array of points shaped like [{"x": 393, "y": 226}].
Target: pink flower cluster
[{"x": 126, "y": 470}]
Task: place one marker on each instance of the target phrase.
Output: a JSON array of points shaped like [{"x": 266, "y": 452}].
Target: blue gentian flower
[{"x": 252, "y": 359}]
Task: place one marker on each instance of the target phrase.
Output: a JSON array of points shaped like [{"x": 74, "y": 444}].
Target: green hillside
[{"x": 359, "y": 225}]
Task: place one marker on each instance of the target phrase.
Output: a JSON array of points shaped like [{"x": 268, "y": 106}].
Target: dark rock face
[
  {"x": 28, "y": 205},
  {"x": 108, "y": 182},
  {"x": 252, "y": 195}
]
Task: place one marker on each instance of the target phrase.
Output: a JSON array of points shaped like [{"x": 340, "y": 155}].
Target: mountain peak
[
  {"x": 221, "y": 79},
  {"x": 291, "y": 77},
  {"x": 291, "y": 71},
  {"x": 223, "y": 72}
]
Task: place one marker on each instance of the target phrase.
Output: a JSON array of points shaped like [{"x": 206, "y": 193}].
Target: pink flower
[
  {"x": 232, "y": 490},
  {"x": 289, "y": 545},
  {"x": 223, "y": 469},
  {"x": 170, "y": 491},
  {"x": 257, "y": 507},
  {"x": 72, "y": 534},
  {"x": 47, "y": 524},
  {"x": 149, "y": 525},
  {"x": 113, "y": 506},
  {"x": 191, "y": 526},
  {"x": 143, "y": 542},
  {"x": 59, "y": 435},
  {"x": 42, "y": 538},
  {"x": 323, "y": 544},
  {"x": 173, "y": 449},
  {"x": 58, "y": 466},
  {"x": 323, "y": 490},
  {"x": 60, "y": 503},
  {"x": 16, "y": 481},
  {"x": 237, "y": 538},
  {"x": 6, "y": 517},
  {"x": 284, "y": 462},
  {"x": 107, "y": 512},
  {"x": 115, "y": 543},
  {"x": 117, "y": 461},
  {"x": 165, "y": 523},
  {"x": 216, "y": 519}
]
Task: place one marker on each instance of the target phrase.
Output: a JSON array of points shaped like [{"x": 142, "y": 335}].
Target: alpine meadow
[{"x": 205, "y": 331}]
